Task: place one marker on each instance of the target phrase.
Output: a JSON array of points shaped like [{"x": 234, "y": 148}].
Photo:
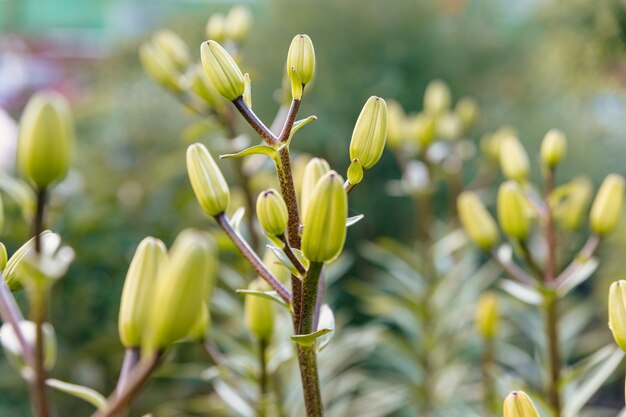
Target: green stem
[
  {"x": 288, "y": 191},
  {"x": 309, "y": 296},
  {"x": 254, "y": 121},
  {"x": 261, "y": 412},
  {"x": 488, "y": 365},
  {"x": 38, "y": 305}
]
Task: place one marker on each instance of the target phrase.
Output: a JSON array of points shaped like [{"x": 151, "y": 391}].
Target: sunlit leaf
[{"x": 89, "y": 395}]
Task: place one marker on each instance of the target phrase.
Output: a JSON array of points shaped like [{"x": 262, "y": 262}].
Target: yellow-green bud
[
  {"x": 355, "y": 172},
  {"x": 11, "y": 271},
  {"x": 607, "y": 206},
  {"x": 46, "y": 139},
  {"x": 553, "y": 148},
  {"x": 197, "y": 81},
  {"x": 571, "y": 210},
  {"x": 222, "y": 70},
  {"x": 449, "y": 126},
  {"x": 237, "y": 23},
  {"x": 467, "y": 110},
  {"x": 1, "y": 214},
  {"x": 437, "y": 98},
  {"x": 315, "y": 169},
  {"x": 3, "y": 257},
  {"x": 207, "y": 180},
  {"x": 512, "y": 210},
  {"x": 14, "y": 351},
  {"x": 173, "y": 46},
  {"x": 202, "y": 324},
  {"x": 158, "y": 66},
  {"x": 421, "y": 127},
  {"x": 180, "y": 290},
  {"x": 476, "y": 220},
  {"x": 617, "y": 312},
  {"x": 301, "y": 56},
  {"x": 137, "y": 295},
  {"x": 519, "y": 404},
  {"x": 488, "y": 315},
  {"x": 370, "y": 133},
  {"x": 259, "y": 313},
  {"x": 513, "y": 159},
  {"x": 395, "y": 125},
  {"x": 215, "y": 27},
  {"x": 271, "y": 211},
  {"x": 325, "y": 219}
]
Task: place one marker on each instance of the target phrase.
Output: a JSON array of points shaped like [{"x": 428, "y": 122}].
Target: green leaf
[
  {"x": 354, "y": 220},
  {"x": 280, "y": 255},
  {"x": 326, "y": 321},
  {"x": 583, "y": 271},
  {"x": 254, "y": 150},
  {"x": 301, "y": 123},
  {"x": 309, "y": 339},
  {"x": 235, "y": 220},
  {"x": 524, "y": 293},
  {"x": 89, "y": 395},
  {"x": 270, "y": 295}
]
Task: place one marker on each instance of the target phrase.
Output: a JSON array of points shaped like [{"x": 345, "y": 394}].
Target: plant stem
[
  {"x": 131, "y": 358},
  {"x": 309, "y": 296},
  {"x": 291, "y": 119},
  {"x": 292, "y": 256},
  {"x": 262, "y": 378},
  {"x": 488, "y": 365},
  {"x": 41, "y": 197},
  {"x": 288, "y": 191},
  {"x": 254, "y": 121},
  {"x": 513, "y": 270},
  {"x": 10, "y": 313}
]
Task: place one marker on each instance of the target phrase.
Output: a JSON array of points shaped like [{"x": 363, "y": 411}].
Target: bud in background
[
  {"x": 518, "y": 404},
  {"x": 271, "y": 211},
  {"x": 570, "y": 209},
  {"x": 553, "y": 148},
  {"x": 488, "y": 315},
  {"x": 314, "y": 170},
  {"x": 301, "y": 57},
  {"x": 370, "y": 133},
  {"x": 198, "y": 83},
  {"x": 421, "y": 127},
  {"x": 467, "y": 110},
  {"x": 259, "y": 312},
  {"x": 396, "y": 120},
  {"x": 159, "y": 67},
  {"x": 215, "y": 27},
  {"x": 437, "y": 98},
  {"x": 222, "y": 70},
  {"x": 449, "y": 126},
  {"x": 325, "y": 218},
  {"x": 207, "y": 180},
  {"x": 137, "y": 295},
  {"x": 617, "y": 312},
  {"x": 512, "y": 210},
  {"x": 237, "y": 23},
  {"x": 173, "y": 47},
  {"x": 3, "y": 257},
  {"x": 607, "y": 206},
  {"x": 513, "y": 159},
  {"x": 476, "y": 220},
  {"x": 46, "y": 139},
  {"x": 13, "y": 349}
]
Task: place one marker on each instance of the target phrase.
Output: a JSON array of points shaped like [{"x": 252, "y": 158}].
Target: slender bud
[
  {"x": 488, "y": 315},
  {"x": 513, "y": 159},
  {"x": 271, "y": 211},
  {"x": 518, "y": 404},
  {"x": 553, "y": 148},
  {"x": 215, "y": 27},
  {"x": 46, "y": 139},
  {"x": 325, "y": 220},
  {"x": 421, "y": 127},
  {"x": 137, "y": 295},
  {"x": 13, "y": 349},
  {"x": 395, "y": 125},
  {"x": 476, "y": 220},
  {"x": 3, "y": 257},
  {"x": 159, "y": 67},
  {"x": 173, "y": 46},
  {"x": 301, "y": 56},
  {"x": 437, "y": 98},
  {"x": 512, "y": 210},
  {"x": 238, "y": 23},
  {"x": 259, "y": 313},
  {"x": 207, "y": 180},
  {"x": 570, "y": 211},
  {"x": 467, "y": 110},
  {"x": 222, "y": 70},
  {"x": 370, "y": 133},
  {"x": 314, "y": 170},
  {"x": 449, "y": 126},
  {"x": 607, "y": 206},
  {"x": 197, "y": 81},
  {"x": 617, "y": 312}
]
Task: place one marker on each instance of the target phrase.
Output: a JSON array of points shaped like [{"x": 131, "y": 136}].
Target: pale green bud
[
  {"x": 237, "y": 23},
  {"x": 476, "y": 220},
  {"x": 13, "y": 348},
  {"x": 617, "y": 312},
  {"x": 207, "y": 180},
  {"x": 553, "y": 148},
  {"x": 3, "y": 257},
  {"x": 202, "y": 324},
  {"x": 314, "y": 170},
  {"x": 607, "y": 206},
  {"x": 570, "y": 211},
  {"x": 449, "y": 126},
  {"x": 488, "y": 315},
  {"x": 301, "y": 56},
  {"x": 437, "y": 98},
  {"x": 247, "y": 90},
  {"x": 513, "y": 159},
  {"x": 518, "y": 404},
  {"x": 197, "y": 81},
  {"x": 46, "y": 139},
  {"x": 215, "y": 27},
  {"x": 159, "y": 66},
  {"x": 138, "y": 292},
  {"x": 173, "y": 46},
  {"x": 259, "y": 312},
  {"x": 325, "y": 218},
  {"x": 11, "y": 271},
  {"x": 370, "y": 133},
  {"x": 395, "y": 125},
  {"x": 512, "y": 210},
  {"x": 421, "y": 127},
  {"x": 467, "y": 110},
  {"x": 271, "y": 211},
  {"x": 222, "y": 70}
]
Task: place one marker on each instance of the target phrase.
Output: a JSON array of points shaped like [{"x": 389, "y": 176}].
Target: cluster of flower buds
[
  {"x": 165, "y": 58},
  {"x": 232, "y": 27},
  {"x": 519, "y": 404}
]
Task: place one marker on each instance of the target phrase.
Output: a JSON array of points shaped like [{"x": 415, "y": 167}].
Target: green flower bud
[
  {"x": 553, "y": 148},
  {"x": 3, "y": 257},
  {"x": 512, "y": 210},
  {"x": 325, "y": 219},
  {"x": 570, "y": 210},
  {"x": 207, "y": 180},
  {"x": 370, "y": 133},
  {"x": 607, "y": 206},
  {"x": 201, "y": 326},
  {"x": 488, "y": 315},
  {"x": 259, "y": 313},
  {"x": 395, "y": 125},
  {"x": 215, "y": 27},
  {"x": 46, "y": 139},
  {"x": 271, "y": 211},
  {"x": 237, "y": 23},
  {"x": 449, "y": 126},
  {"x": 159, "y": 66},
  {"x": 11, "y": 275},
  {"x": 513, "y": 159},
  {"x": 476, "y": 220},
  {"x": 355, "y": 172},
  {"x": 137, "y": 296},
  {"x": 421, "y": 127},
  {"x": 173, "y": 46},
  {"x": 13, "y": 349},
  {"x": 314, "y": 170},
  {"x": 301, "y": 56},
  {"x": 222, "y": 70},
  {"x": 617, "y": 312},
  {"x": 198, "y": 83},
  {"x": 437, "y": 98},
  {"x": 180, "y": 290},
  {"x": 518, "y": 404},
  {"x": 467, "y": 110}
]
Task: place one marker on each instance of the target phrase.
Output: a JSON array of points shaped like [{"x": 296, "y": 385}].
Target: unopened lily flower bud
[
  {"x": 513, "y": 159},
  {"x": 395, "y": 116},
  {"x": 222, "y": 70},
  {"x": 571, "y": 210},
  {"x": 617, "y": 312},
  {"x": 607, "y": 206},
  {"x": 512, "y": 210},
  {"x": 13, "y": 348},
  {"x": 46, "y": 139},
  {"x": 449, "y": 126},
  {"x": 173, "y": 46},
  {"x": 325, "y": 220},
  {"x": 198, "y": 83},
  {"x": 159, "y": 67},
  {"x": 422, "y": 127},
  {"x": 215, "y": 27},
  {"x": 476, "y": 220},
  {"x": 437, "y": 98},
  {"x": 488, "y": 315},
  {"x": 271, "y": 211},
  {"x": 201, "y": 326},
  {"x": 314, "y": 170},
  {"x": 259, "y": 312},
  {"x": 467, "y": 110},
  {"x": 370, "y": 133},
  {"x": 238, "y": 23},
  {"x": 137, "y": 296},
  {"x": 3, "y": 257},
  {"x": 180, "y": 290},
  {"x": 519, "y": 404},
  {"x": 207, "y": 180},
  {"x": 301, "y": 56},
  {"x": 553, "y": 148}
]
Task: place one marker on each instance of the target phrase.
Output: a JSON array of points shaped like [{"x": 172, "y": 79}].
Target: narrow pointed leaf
[
  {"x": 253, "y": 150},
  {"x": 236, "y": 218},
  {"x": 89, "y": 395},
  {"x": 280, "y": 255},
  {"x": 354, "y": 220},
  {"x": 309, "y": 339},
  {"x": 269, "y": 295},
  {"x": 523, "y": 293}
]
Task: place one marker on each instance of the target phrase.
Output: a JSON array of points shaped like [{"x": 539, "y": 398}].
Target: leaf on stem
[
  {"x": 350, "y": 221},
  {"x": 270, "y": 295},
  {"x": 236, "y": 218},
  {"x": 254, "y": 150},
  {"x": 299, "y": 124},
  {"x": 524, "y": 293},
  {"x": 89, "y": 395},
  {"x": 308, "y": 339},
  {"x": 280, "y": 255},
  {"x": 582, "y": 272},
  {"x": 326, "y": 321}
]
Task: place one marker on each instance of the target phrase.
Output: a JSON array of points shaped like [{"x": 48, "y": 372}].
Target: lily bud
[
  {"x": 137, "y": 295},
  {"x": 179, "y": 291},
  {"x": 617, "y": 312},
  {"x": 553, "y": 148},
  {"x": 512, "y": 210},
  {"x": 46, "y": 139},
  {"x": 271, "y": 211},
  {"x": 207, "y": 180},
  {"x": 314, "y": 170},
  {"x": 467, "y": 110},
  {"x": 159, "y": 67},
  {"x": 259, "y": 312},
  {"x": 449, "y": 126},
  {"x": 607, "y": 206},
  {"x": 325, "y": 220},
  {"x": 222, "y": 70},
  {"x": 437, "y": 98},
  {"x": 370, "y": 133},
  {"x": 202, "y": 325},
  {"x": 519, "y": 404},
  {"x": 571, "y": 210},
  {"x": 215, "y": 27},
  {"x": 421, "y": 127},
  {"x": 513, "y": 159},
  {"x": 301, "y": 56},
  {"x": 488, "y": 315},
  {"x": 476, "y": 220},
  {"x": 197, "y": 81},
  {"x": 395, "y": 116},
  {"x": 3, "y": 257},
  {"x": 13, "y": 348},
  {"x": 238, "y": 23},
  {"x": 173, "y": 46}
]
